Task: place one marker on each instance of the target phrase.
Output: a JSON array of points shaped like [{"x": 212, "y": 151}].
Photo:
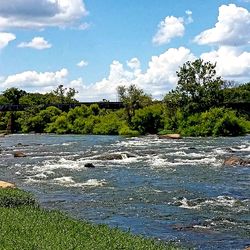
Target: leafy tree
[
  {"x": 65, "y": 95},
  {"x": 3, "y": 100},
  {"x": 14, "y": 95},
  {"x": 39, "y": 121},
  {"x": 215, "y": 122},
  {"x": 237, "y": 94},
  {"x": 198, "y": 88},
  {"x": 133, "y": 98},
  {"x": 59, "y": 126},
  {"x": 148, "y": 119}
]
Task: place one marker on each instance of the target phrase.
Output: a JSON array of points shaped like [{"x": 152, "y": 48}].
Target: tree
[
  {"x": 148, "y": 119},
  {"x": 13, "y": 95},
  {"x": 133, "y": 98},
  {"x": 198, "y": 86},
  {"x": 65, "y": 95}
]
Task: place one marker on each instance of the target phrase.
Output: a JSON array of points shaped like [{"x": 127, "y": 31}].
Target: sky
[{"x": 95, "y": 46}]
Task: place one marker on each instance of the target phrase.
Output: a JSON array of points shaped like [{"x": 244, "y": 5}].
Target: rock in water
[
  {"x": 170, "y": 136},
  {"x": 19, "y": 154},
  {"x": 114, "y": 156},
  {"x": 235, "y": 160},
  {"x": 4, "y": 184},
  {"x": 89, "y": 165}
]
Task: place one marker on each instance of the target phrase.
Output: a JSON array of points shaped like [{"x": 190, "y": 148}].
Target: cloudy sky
[{"x": 96, "y": 45}]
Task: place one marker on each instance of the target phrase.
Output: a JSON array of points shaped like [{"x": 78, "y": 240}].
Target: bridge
[{"x": 62, "y": 106}]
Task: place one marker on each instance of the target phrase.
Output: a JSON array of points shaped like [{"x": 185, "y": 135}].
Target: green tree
[
  {"x": 148, "y": 119},
  {"x": 133, "y": 98},
  {"x": 14, "y": 95},
  {"x": 198, "y": 87},
  {"x": 65, "y": 95}
]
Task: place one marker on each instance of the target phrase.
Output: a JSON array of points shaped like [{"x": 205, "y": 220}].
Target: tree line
[{"x": 202, "y": 104}]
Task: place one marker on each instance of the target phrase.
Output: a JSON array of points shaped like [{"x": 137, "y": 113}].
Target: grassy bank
[{"x": 23, "y": 225}]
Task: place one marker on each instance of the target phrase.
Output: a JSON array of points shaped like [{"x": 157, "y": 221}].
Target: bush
[
  {"x": 215, "y": 122},
  {"x": 14, "y": 198},
  {"x": 228, "y": 125},
  {"x": 127, "y": 131},
  {"x": 59, "y": 126},
  {"x": 109, "y": 125},
  {"x": 148, "y": 119}
]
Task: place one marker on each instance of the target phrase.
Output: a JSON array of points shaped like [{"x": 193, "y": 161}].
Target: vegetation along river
[{"x": 173, "y": 190}]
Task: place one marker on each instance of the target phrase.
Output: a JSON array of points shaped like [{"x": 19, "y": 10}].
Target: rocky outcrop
[
  {"x": 114, "y": 156},
  {"x": 19, "y": 154},
  {"x": 89, "y": 165},
  {"x": 4, "y": 184},
  {"x": 236, "y": 161},
  {"x": 170, "y": 136}
]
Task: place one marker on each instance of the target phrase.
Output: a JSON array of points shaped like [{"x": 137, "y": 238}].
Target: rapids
[{"x": 171, "y": 190}]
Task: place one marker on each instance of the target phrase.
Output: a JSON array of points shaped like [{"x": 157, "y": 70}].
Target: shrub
[
  {"x": 228, "y": 125},
  {"x": 148, "y": 119},
  {"x": 126, "y": 130},
  {"x": 59, "y": 126},
  {"x": 215, "y": 122},
  {"x": 14, "y": 198}
]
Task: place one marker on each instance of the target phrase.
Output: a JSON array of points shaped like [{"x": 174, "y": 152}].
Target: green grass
[{"x": 30, "y": 227}]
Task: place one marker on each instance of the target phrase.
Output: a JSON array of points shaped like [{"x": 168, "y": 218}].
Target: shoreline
[{"x": 22, "y": 218}]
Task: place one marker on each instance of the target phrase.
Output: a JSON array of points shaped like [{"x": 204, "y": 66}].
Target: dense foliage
[{"x": 201, "y": 105}]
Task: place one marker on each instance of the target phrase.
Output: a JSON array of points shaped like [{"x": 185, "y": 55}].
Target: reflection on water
[{"x": 175, "y": 190}]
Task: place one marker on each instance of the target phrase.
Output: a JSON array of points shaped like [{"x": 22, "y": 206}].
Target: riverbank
[{"x": 24, "y": 225}]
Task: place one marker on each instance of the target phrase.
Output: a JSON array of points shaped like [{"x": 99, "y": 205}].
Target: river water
[{"x": 171, "y": 190}]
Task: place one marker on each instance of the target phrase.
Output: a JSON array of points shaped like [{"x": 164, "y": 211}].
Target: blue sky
[{"x": 96, "y": 45}]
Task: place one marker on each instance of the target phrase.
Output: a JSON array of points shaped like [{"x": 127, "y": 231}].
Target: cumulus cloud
[
  {"x": 40, "y": 14},
  {"x": 82, "y": 64},
  {"x": 36, "y": 43},
  {"x": 232, "y": 63},
  {"x": 232, "y": 28},
  {"x": 5, "y": 39},
  {"x": 169, "y": 28},
  {"x": 33, "y": 79},
  {"x": 159, "y": 78}
]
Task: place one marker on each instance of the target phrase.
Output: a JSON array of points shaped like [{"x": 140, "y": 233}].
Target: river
[{"x": 171, "y": 190}]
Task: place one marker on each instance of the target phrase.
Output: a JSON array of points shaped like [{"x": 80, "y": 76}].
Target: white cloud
[
  {"x": 5, "y": 38},
  {"x": 189, "y": 18},
  {"x": 159, "y": 78},
  {"x": 33, "y": 79},
  {"x": 82, "y": 63},
  {"x": 232, "y": 63},
  {"x": 40, "y": 14},
  {"x": 232, "y": 28},
  {"x": 36, "y": 43},
  {"x": 170, "y": 28}
]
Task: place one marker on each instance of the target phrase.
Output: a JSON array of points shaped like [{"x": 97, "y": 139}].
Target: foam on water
[
  {"x": 69, "y": 182},
  {"x": 219, "y": 202}
]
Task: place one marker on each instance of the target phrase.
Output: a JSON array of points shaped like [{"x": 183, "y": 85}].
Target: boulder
[
  {"x": 4, "y": 184},
  {"x": 235, "y": 160},
  {"x": 19, "y": 154},
  {"x": 89, "y": 165},
  {"x": 114, "y": 156},
  {"x": 170, "y": 136}
]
